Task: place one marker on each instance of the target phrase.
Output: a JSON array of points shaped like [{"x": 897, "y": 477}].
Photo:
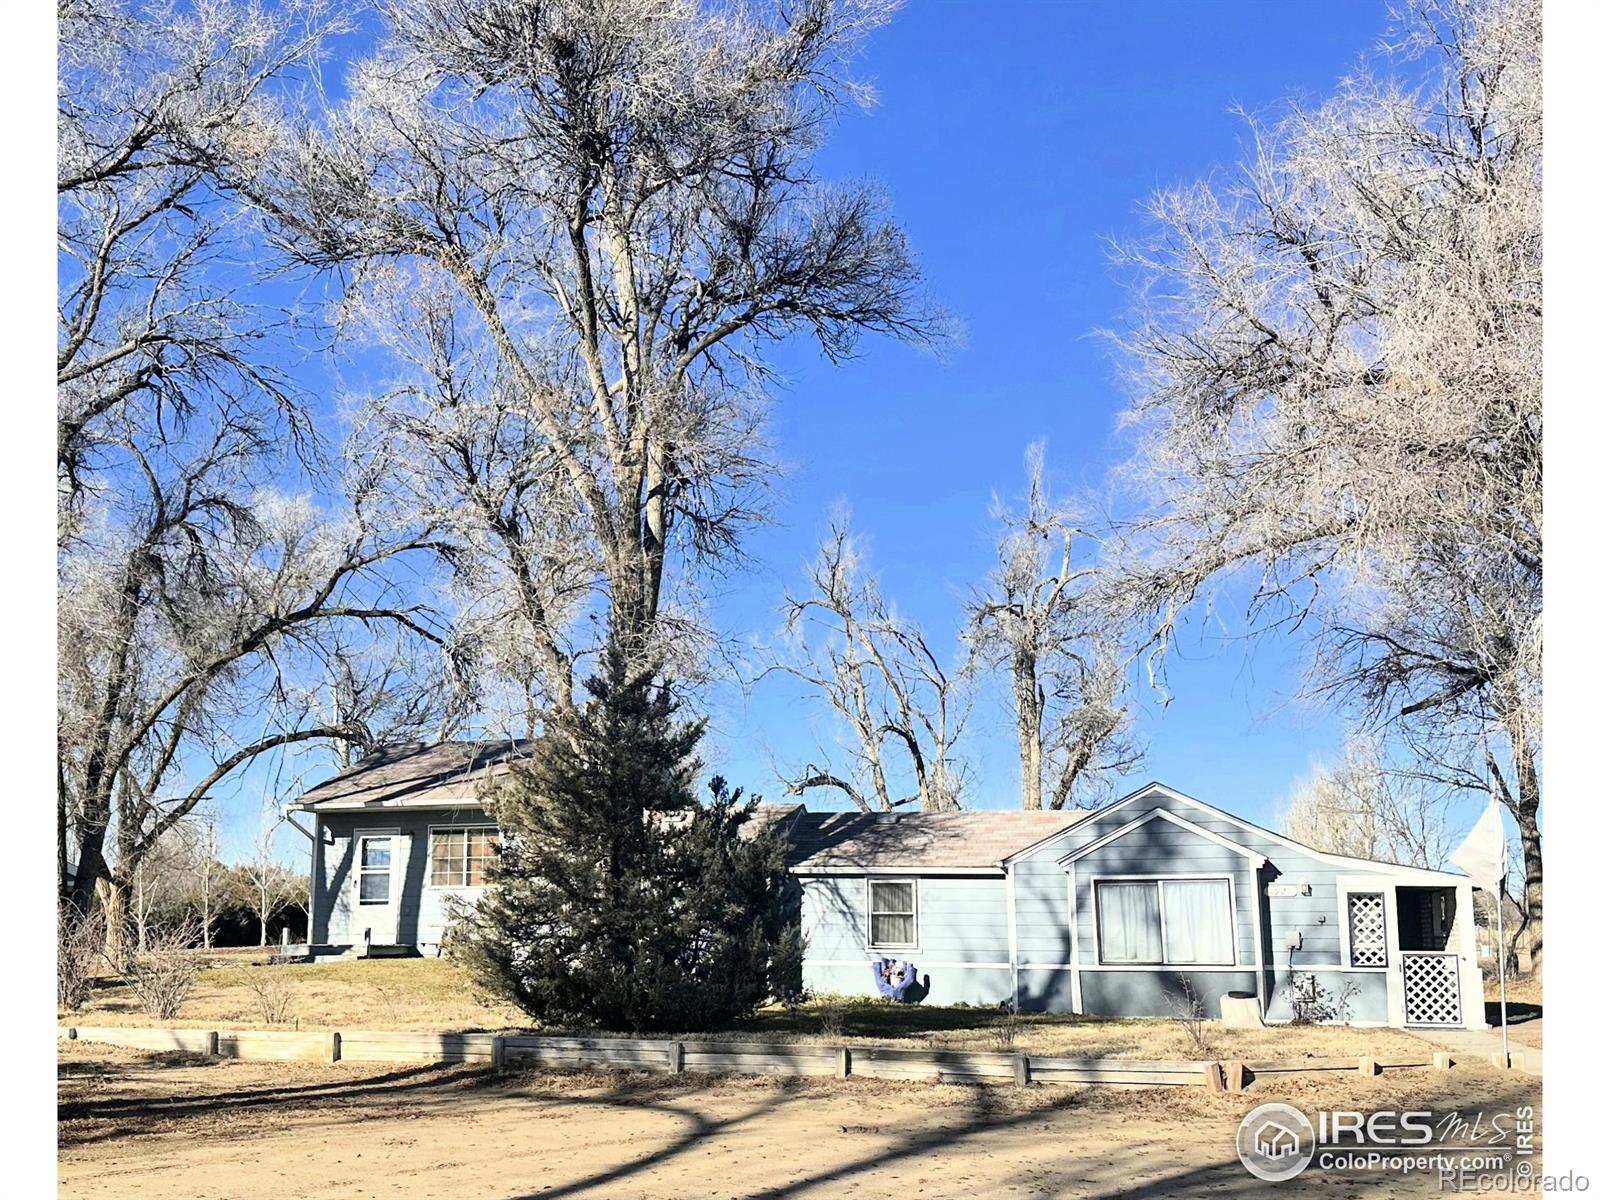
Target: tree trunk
[
  {"x": 1526, "y": 813},
  {"x": 1030, "y": 718},
  {"x": 113, "y": 898}
]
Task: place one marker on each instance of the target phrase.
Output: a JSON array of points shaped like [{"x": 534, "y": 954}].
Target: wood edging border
[{"x": 722, "y": 1057}]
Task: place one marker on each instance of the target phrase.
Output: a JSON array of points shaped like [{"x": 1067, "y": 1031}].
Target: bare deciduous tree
[
  {"x": 903, "y": 712},
  {"x": 192, "y": 613},
  {"x": 1044, "y": 620},
  {"x": 1362, "y": 807},
  {"x": 609, "y": 209},
  {"x": 1338, "y": 387},
  {"x": 271, "y": 884},
  {"x": 195, "y": 584},
  {"x": 147, "y": 94}
]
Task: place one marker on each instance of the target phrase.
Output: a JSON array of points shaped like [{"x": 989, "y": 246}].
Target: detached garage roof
[
  {"x": 414, "y": 775},
  {"x": 843, "y": 842}
]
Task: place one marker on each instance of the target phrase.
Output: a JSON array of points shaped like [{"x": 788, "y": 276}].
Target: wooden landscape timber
[{"x": 694, "y": 1056}]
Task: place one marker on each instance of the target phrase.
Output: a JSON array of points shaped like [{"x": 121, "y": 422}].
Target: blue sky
[{"x": 1013, "y": 139}]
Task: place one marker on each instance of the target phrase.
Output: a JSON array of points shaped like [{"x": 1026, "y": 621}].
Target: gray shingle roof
[
  {"x": 449, "y": 773},
  {"x": 415, "y": 774},
  {"x": 845, "y": 840}
]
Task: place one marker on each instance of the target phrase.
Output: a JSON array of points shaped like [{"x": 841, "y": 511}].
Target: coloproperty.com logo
[
  {"x": 1275, "y": 1141},
  {"x": 1476, "y": 1152}
]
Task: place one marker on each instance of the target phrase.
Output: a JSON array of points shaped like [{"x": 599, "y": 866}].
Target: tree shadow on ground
[{"x": 1177, "y": 1171}]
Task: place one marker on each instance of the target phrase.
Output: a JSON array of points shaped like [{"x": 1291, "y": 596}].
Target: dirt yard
[{"x": 137, "y": 1125}]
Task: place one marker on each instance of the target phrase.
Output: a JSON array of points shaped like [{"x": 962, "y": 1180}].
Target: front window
[
  {"x": 892, "y": 913},
  {"x": 461, "y": 857},
  {"x": 373, "y": 870},
  {"x": 1165, "y": 922}
]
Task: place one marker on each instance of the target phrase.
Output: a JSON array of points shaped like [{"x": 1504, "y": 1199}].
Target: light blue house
[{"x": 1128, "y": 911}]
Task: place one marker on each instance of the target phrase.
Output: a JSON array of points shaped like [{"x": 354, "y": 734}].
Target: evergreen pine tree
[{"x": 619, "y": 901}]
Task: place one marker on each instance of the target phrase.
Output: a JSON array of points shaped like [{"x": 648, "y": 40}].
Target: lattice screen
[
  {"x": 1433, "y": 989},
  {"x": 1369, "y": 940}
]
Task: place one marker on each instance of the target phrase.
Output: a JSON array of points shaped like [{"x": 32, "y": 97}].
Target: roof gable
[
  {"x": 1161, "y": 814},
  {"x": 1250, "y": 829}
]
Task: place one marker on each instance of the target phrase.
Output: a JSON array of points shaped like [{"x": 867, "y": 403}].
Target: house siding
[
  {"x": 962, "y": 947},
  {"x": 1043, "y": 898},
  {"x": 423, "y": 912}
]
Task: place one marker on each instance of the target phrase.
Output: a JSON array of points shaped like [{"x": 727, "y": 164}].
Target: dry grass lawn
[
  {"x": 434, "y": 994},
  {"x": 384, "y": 993}
]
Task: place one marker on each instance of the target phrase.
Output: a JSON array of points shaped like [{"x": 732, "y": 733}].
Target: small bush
[
  {"x": 80, "y": 947},
  {"x": 1190, "y": 1014},
  {"x": 272, "y": 994},
  {"x": 163, "y": 972}
]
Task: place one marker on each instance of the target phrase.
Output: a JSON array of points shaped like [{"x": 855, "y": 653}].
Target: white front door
[{"x": 379, "y": 879}]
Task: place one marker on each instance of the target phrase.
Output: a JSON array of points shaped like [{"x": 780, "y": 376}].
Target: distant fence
[{"x": 727, "y": 1058}]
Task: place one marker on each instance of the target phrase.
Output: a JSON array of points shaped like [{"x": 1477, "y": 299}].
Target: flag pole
[{"x": 1500, "y": 944}]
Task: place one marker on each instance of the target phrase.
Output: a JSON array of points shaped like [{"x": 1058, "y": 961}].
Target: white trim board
[
  {"x": 805, "y": 872},
  {"x": 378, "y": 806},
  {"x": 920, "y": 965}
]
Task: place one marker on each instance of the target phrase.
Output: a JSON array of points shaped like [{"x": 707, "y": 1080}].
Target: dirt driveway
[{"x": 136, "y": 1125}]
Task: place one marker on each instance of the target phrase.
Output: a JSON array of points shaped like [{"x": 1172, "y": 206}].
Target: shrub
[
  {"x": 272, "y": 994},
  {"x": 619, "y": 901},
  {"x": 163, "y": 972},
  {"x": 1190, "y": 1013},
  {"x": 80, "y": 948}
]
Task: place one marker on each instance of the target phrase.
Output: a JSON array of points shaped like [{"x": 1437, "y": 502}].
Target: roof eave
[{"x": 833, "y": 869}]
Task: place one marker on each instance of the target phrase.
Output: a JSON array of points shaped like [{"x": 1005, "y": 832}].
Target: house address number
[{"x": 1288, "y": 889}]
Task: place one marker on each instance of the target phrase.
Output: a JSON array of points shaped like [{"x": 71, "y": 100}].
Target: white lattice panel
[
  {"x": 1369, "y": 940},
  {"x": 1433, "y": 989}
]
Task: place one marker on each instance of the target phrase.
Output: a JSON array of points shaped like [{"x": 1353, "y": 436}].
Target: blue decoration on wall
[{"x": 897, "y": 980}]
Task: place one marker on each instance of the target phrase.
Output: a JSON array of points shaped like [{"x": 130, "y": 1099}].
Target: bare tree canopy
[
  {"x": 1337, "y": 380},
  {"x": 597, "y": 216},
  {"x": 1045, "y": 620},
  {"x": 1362, "y": 807},
  {"x": 147, "y": 95},
  {"x": 902, "y": 713},
  {"x": 208, "y": 606}
]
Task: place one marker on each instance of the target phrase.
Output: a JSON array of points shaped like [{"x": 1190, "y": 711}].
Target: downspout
[
  {"x": 1261, "y": 943},
  {"x": 315, "y": 873},
  {"x": 1011, "y": 932}
]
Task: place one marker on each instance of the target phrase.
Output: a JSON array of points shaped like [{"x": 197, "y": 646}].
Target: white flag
[{"x": 1483, "y": 855}]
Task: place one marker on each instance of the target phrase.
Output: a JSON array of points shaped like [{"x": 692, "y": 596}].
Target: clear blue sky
[{"x": 1013, "y": 140}]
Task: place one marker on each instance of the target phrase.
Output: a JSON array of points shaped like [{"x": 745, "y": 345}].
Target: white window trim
[
  {"x": 916, "y": 915},
  {"x": 1161, "y": 902},
  {"x": 361, "y": 835},
  {"x": 453, "y": 827}
]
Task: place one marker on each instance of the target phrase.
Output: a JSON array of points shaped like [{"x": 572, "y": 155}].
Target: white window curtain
[
  {"x": 893, "y": 916},
  {"x": 1130, "y": 922},
  {"x": 1199, "y": 921}
]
